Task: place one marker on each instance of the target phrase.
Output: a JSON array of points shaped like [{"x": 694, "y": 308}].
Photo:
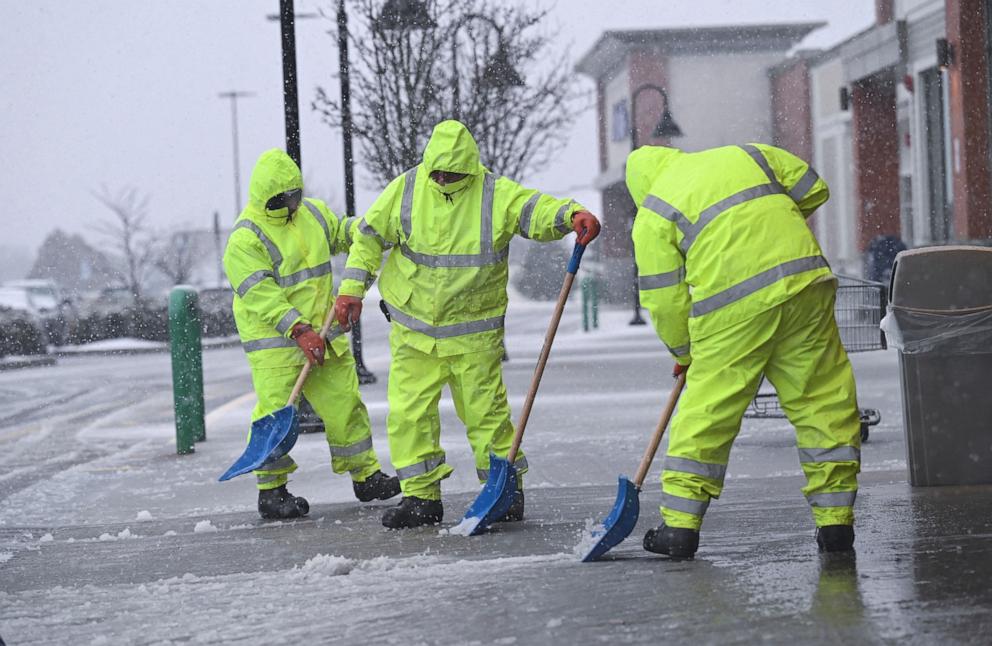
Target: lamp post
[
  {"x": 234, "y": 95},
  {"x": 666, "y": 128},
  {"x": 499, "y": 72}
]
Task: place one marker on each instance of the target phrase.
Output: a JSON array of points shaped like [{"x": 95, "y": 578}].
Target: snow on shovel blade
[
  {"x": 494, "y": 500},
  {"x": 271, "y": 438},
  {"x": 619, "y": 524}
]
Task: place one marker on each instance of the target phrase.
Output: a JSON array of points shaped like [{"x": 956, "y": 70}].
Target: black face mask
[{"x": 290, "y": 200}]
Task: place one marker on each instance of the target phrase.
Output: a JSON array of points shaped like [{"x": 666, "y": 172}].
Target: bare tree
[
  {"x": 405, "y": 81},
  {"x": 127, "y": 233},
  {"x": 178, "y": 258}
]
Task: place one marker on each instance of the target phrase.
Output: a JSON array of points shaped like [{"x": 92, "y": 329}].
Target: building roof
[{"x": 611, "y": 49}]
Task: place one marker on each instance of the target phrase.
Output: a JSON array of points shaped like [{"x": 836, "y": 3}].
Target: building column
[
  {"x": 967, "y": 90},
  {"x": 876, "y": 156}
]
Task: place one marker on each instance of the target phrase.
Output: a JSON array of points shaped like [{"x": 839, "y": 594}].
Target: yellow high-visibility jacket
[
  {"x": 444, "y": 282},
  {"x": 721, "y": 235},
  {"x": 280, "y": 267}
]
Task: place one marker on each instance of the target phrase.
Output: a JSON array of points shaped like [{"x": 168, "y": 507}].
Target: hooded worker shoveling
[{"x": 444, "y": 289}]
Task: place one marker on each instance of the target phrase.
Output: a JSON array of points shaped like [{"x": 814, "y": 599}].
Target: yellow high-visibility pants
[
  {"x": 415, "y": 383},
  {"x": 797, "y": 346},
  {"x": 332, "y": 390}
]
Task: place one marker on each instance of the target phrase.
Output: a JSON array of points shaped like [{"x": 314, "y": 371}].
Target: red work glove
[
  {"x": 586, "y": 226},
  {"x": 310, "y": 342},
  {"x": 678, "y": 370},
  {"x": 346, "y": 310}
]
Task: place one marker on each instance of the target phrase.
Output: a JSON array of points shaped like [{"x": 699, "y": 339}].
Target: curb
[
  {"x": 26, "y": 362},
  {"x": 164, "y": 347}
]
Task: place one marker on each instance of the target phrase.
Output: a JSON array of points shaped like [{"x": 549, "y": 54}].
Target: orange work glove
[
  {"x": 310, "y": 342},
  {"x": 586, "y": 226},
  {"x": 346, "y": 310},
  {"x": 678, "y": 370}
]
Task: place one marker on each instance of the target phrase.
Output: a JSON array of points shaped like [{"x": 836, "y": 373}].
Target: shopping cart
[{"x": 859, "y": 309}]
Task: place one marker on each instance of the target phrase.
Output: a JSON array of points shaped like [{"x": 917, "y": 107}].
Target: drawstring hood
[
  {"x": 453, "y": 149},
  {"x": 644, "y": 165},
  {"x": 274, "y": 173}
]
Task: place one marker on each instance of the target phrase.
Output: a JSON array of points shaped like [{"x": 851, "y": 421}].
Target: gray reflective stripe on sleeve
[
  {"x": 321, "y": 219},
  {"x": 354, "y": 273},
  {"x": 685, "y": 505},
  {"x": 367, "y": 229},
  {"x": 419, "y": 468},
  {"x": 253, "y": 280},
  {"x": 805, "y": 183},
  {"x": 668, "y": 212},
  {"x": 486, "y": 233},
  {"x": 526, "y": 213},
  {"x": 352, "y": 450},
  {"x": 304, "y": 274},
  {"x": 444, "y": 331},
  {"x": 284, "y": 462},
  {"x": 760, "y": 160},
  {"x": 679, "y": 351},
  {"x": 406, "y": 205},
  {"x": 347, "y": 223},
  {"x": 560, "y": 218},
  {"x": 287, "y": 320},
  {"x": 838, "y": 454},
  {"x": 455, "y": 260},
  {"x": 271, "y": 478},
  {"x": 270, "y": 246},
  {"x": 705, "y": 469},
  {"x": 520, "y": 465},
  {"x": 835, "y": 499},
  {"x": 268, "y": 344},
  {"x": 664, "y": 279},
  {"x": 754, "y": 283},
  {"x": 691, "y": 232}
]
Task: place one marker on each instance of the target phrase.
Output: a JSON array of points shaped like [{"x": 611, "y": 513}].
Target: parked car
[
  {"x": 21, "y": 331},
  {"x": 51, "y": 305}
]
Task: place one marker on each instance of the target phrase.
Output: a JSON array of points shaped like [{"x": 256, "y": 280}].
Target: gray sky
[{"x": 124, "y": 92}]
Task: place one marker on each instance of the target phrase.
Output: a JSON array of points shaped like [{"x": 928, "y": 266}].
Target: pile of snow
[
  {"x": 144, "y": 514},
  {"x": 121, "y": 535},
  {"x": 204, "y": 527}
]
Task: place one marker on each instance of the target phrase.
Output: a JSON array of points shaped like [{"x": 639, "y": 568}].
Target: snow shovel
[
  {"x": 275, "y": 434},
  {"x": 497, "y": 495},
  {"x": 623, "y": 517}
]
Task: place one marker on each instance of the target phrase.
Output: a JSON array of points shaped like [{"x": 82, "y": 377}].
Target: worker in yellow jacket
[
  {"x": 449, "y": 222},
  {"x": 737, "y": 288},
  {"x": 278, "y": 260}
]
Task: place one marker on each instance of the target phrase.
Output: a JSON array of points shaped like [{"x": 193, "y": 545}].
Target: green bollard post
[
  {"x": 585, "y": 304},
  {"x": 594, "y": 301},
  {"x": 187, "y": 368}
]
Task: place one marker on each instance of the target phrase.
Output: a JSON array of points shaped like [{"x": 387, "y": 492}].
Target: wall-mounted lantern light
[
  {"x": 845, "y": 98},
  {"x": 945, "y": 54}
]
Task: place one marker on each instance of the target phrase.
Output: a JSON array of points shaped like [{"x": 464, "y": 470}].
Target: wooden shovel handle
[
  {"x": 666, "y": 416},
  {"x": 293, "y": 396}
]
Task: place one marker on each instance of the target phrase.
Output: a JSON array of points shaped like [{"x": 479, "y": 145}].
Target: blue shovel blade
[
  {"x": 271, "y": 438},
  {"x": 620, "y": 523},
  {"x": 495, "y": 498}
]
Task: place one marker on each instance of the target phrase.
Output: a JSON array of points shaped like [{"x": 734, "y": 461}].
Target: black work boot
[
  {"x": 377, "y": 486},
  {"x": 516, "y": 511},
  {"x": 676, "y": 542},
  {"x": 279, "y": 503},
  {"x": 413, "y": 512},
  {"x": 835, "y": 538}
]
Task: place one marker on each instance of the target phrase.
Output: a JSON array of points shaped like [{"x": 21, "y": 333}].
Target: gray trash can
[{"x": 940, "y": 318}]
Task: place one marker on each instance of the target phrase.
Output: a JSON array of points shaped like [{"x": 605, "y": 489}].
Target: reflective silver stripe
[
  {"x": 267, "y": 479},
  {"x": 352, "y": 450},
  {"x": 419, "y": 468},
  {"x": 560, "y": 218},
  {"x": 760, "y": 159},
  {"x": 367, "y": 229},
  {"x": 406, "y": 205},
  {"x": 664, "y": 279},
  {"x": 304, "y": 274},
  {"x": 284, "y": 462},
  {"x": 520, "y": 464},
  {"x": 686, "y": 505},
  {"x": 667, "y": 211},
  {"x": 691, "y": 232},
  {"x": 354, "y": 273},
  {"x": 838, "y": 454},
  {"x": 253, "y": 280},
  {"x": 835, "y": 499},
  {"x": 273, "y": 250},
  {"x": 333, "y": 333},
  {"x": 320, "y": 218},
  {"x": 347, "y": 223},
  {"x": 805, "y": 183},
  {"x": 754, "y": 283},
  {"x": 486, "y": 234},
  {"x": 455, "y": 260},
  {"x": 268, "y": 344},
  {"x": 287, "y": 320},
  {"x": 444, "y": 331},
  {"x": 705, "y": 469},
  {"x": 526, "y": 213},
  {"x": 679, "y": 351}
]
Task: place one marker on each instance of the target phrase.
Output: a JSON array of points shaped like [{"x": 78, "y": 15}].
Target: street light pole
[
  {"x": 234, "y": 95},
  {"x": 290, "y": 100},
  {"x": 666, "y": 128}
]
